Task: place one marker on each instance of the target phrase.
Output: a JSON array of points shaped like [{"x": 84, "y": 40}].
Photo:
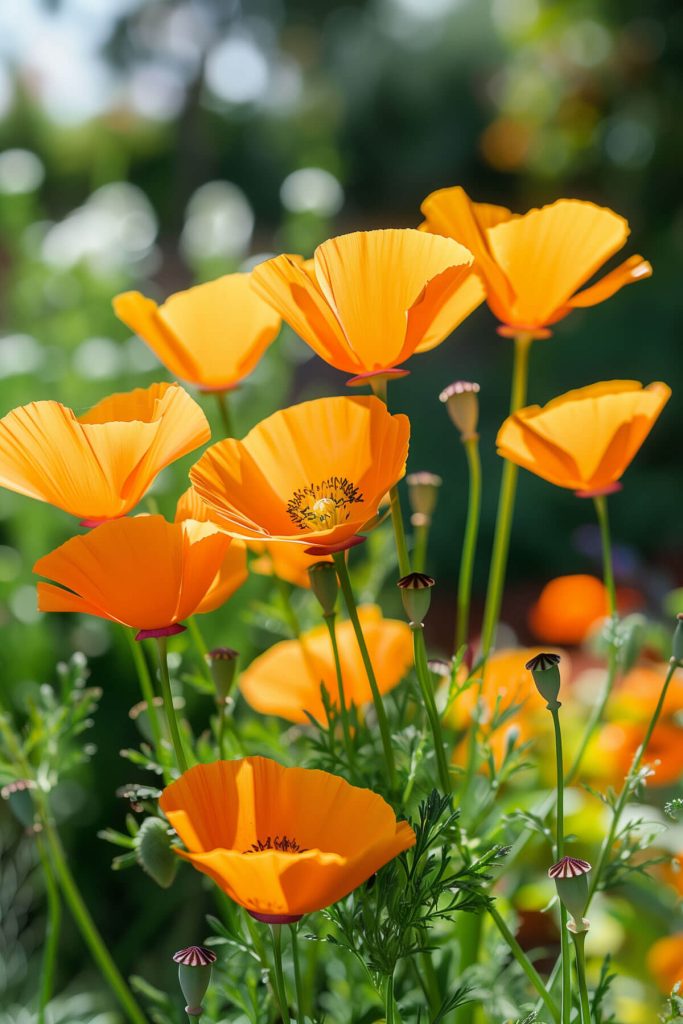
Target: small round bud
[
  {"x": 570, "y": 876},
  {"x": 677, "y": 646},
  {"x": 423, "y": 491},
  {"x": 223, "y": 664},
  {"x": 194, "y": 975},
  {"x": 325, "y": 585},
  {"x": 154, "y": 851},
  {"x": 544, "y": 668},
  {"x": 416, "y": 596},
  {"x": 460, "y": 399},
  {"x": 18, "y": 796}
]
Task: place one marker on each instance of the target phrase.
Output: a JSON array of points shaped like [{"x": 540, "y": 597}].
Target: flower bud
[
  {"x": 677, "y": 646},
  {"x": 544, "y": 669},
  {"x": 194, "y": 975},
  {"x": 423, "y": 491},
  {"x": 416, "y": 596},
  {"x": 223, "y": 664},
  {"x": 325, "y": 585},
  {"x": 460, "y": 399},
  {"x": 154, "y": 851},
  {"x": 570, "y": 876},
  {"x": 18, "y": 796}
]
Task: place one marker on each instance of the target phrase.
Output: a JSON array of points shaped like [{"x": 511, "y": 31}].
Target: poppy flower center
[
  {"x": 282, "y": 843},
  {"x": 323, "y": 505}
]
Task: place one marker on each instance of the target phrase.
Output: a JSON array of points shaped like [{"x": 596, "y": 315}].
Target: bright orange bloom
[
  {"x": 585, "y": 439},
  {"x": 98, "y": 466},
  {"x": 232, "y": 573},
  {"x": 665, "y": 961},
  {"x": 288, "y": 561},
  {"x": 368, "y": 300},
  {"x": 611, "y": 754},
  {"x": 532, "y": 265},
  {"x": 567, "y": 609},
  {"x": 286, "y": 679},
  {"x": 634, "y": 698},
  {"x": 212, "y": 335},
  {"x": 142, "y": 572},
  {"x": 312, "y": 474}
]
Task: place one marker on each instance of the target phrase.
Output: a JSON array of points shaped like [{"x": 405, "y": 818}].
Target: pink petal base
[
  {"x": 275, "y": 918},
  {"x": 90, "y": 524},
  {"x": 366, "y": 378},
  {"x": 320, "y": 550},
  {"x": 150, "y": 634},
  {"x": 600, "y": 491},
  {"x": 536, "y": 333}
]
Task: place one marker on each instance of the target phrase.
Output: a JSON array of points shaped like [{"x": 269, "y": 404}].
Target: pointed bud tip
[
  {"x": 195, "y": 956},
  {"x": 569, "y": 867}
]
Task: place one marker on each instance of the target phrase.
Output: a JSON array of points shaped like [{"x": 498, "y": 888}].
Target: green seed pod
[
  {"x": 423, "y": 490},
  {"x": 570, "y": 876},
  {"x": 325, "y": 585},
  {"x": 460, "y": 399},
  {"x": 223, "y": 664},
  {"x": 194, "y": 975},
  {"x": 544, "y": 669},
  {"x": 677, "y": 646},
  {"x": 416, "y": 596},
  {"x": 18, "y": 796},
  {"x": 154, "y": 851}
]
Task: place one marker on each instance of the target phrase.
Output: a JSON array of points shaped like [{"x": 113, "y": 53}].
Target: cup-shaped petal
[{"x": 233, "y": 571}]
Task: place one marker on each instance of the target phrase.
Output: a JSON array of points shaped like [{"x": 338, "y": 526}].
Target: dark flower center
[
  {"x": 282, "y": 843},
  {"x": 323, "y": 505}
]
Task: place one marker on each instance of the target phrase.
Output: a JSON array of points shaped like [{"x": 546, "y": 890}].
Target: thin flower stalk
[
  {"x": 379, "y": 388},
  {"x": 52, "y": 930},
  {"x": 147, "y": 692},
  {"x": 298, "y": 986},
  {"x": 278, "y": 973},
  {"x": 469, "y": 544},
  {"x": 579, "y": 950},
  {"x": 420, "y": 545},
  {"x": 168, "y": 704},
  {"x": 427, "y": 690},
  {"x": 224, "y": 413},
  {"x": 559, "y": 853},
  {"x": 330, "y": 621},
  {"x": 526, "y": 965}
]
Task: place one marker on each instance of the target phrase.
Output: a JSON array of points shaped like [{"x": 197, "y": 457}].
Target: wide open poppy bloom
[
  {"x": 368, "y": 300},
  {"x": 142, "y": 572},
  {"x": 233, "y": 571},
  {"x": 288, "y": 561},
  {"x": 212, "y": 335},
  {"x": 99, "y": 465},
  {"x": 585, "y": 439},
  {"x": 286, "y": 679},
  {"x": 532, "y": 265},
  {"x": 312, "y": 474},
  {"x": 281, "y": 842}
]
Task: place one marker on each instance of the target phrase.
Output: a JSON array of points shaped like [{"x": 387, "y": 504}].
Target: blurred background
[{"x": 153, "y": 144}]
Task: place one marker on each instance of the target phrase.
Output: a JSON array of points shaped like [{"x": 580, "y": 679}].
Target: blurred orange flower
[
  {"x": 368, "y": 300},
  {"x": 288, "y": 561},
  {"x": 567, "y": 609},
  {"x": 233, "y": 571},
  {"x": 312, "y": 474},
  {"x": 634, "y": 698},
  {"x": 665, "y": 961},
  {"x": 532, "y": 265},
  {"x": 611, "y": 754},
  {"x": 212, "y": 335},
  {"x": 281, "y": 842},
  {"x": 585, "y": 439},
  {"x": 142, "y": 572},
  {"x": 97, "y": 466},
  {"x": 286, "y": 679}
]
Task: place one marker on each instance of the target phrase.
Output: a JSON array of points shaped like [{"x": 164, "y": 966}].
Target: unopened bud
[
  {"x": 18, "y": 796},
  {"x": 460, "y": 399},
  {"x": 223, "y": 664},
  {"x": 325, "y": 585},
  {"x": 677, "y": 646},
  {"x": 416, "y": 596},
  {"x": 194, "y": 975},
  {"x": 154, "y": 851},
  {"x": 544, "y": 668},
  {"x": 570, "y": 876},
  {"x": 423, "y": 491}
]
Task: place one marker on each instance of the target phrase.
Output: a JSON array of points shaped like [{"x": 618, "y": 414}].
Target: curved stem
[
  {"x": 579, "y": 949},
  {"x": 469, "y": 544},
  {"x": 52, "y": 931},
  {"x": 278, "y": 973},
  {"x": 168, "y": 704},
  {"x": 427, "y": 690},
  {"x": 147, "y": 691},
  {"x": 506, "y": 503},
  {"x": 224, "y": 411},
  {"x": 294, "y": 934},
  {"x": 343, "y": 710},
  {"x": 526, "y": 964}
]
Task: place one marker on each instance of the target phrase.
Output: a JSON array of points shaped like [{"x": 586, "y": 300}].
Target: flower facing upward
[
  {"x": 233, "y": 571},
  {"x": 142, "y": 572},
  {"x": 532, "y": 265},
  {"x": 98, "y": 466},
  {"x": 368, "y": 300},
  {"x": 312, "y": 474},
  {"x": 212, "y": 335},
  {"x": 584, "y": 440},
  {"x": 281, "y": 842},
  {"x": 286, "y": 679}
]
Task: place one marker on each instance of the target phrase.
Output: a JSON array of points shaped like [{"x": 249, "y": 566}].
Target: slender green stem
[
  {"x": 288, "y": 608},
  {"x": 147, "y": 691},
  {"x": 559, "y": 853},
  {"x": 472, "y": 747},
  {"x": 427, "y": 690},
  {"x": 52, "y": 931},
  {"x": 168, "y": 704},
  {"x": 579, "y": 949},
  {"x": 224, "y": 411},
  {"x": 469, "y": 544},
  {"x": 87, "y": 927},
  {"x": 278, "y": 973},
  {"x": 506, "y": 503},
  {"x": 430, "y": 981},
  {"x": 391, "y": 1013},
  {"x": 382, "y": 721},
  {"x": 201, "y": 649},
  {"x": 421, "y": 540},
  {"x": 526, "y": 965},
  {"x": 300, "y": 1015},
  {"x": 608, "y": 565},
  {"x": 469, "y": 939},
  {"x": 343, "y": 710}
]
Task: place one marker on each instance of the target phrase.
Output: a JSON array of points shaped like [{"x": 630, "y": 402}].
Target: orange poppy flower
[
  {"x": 98, "y": 466},
  {"x": 665, "y": 961},
  {"x": 281, "y": 842},
  {"x": 312, "y": 474},
  {"x": 611, "y": 754},
  {"x": 636, "y": 695},
  {"x": 233, "y": 571},
  {"x": 532, "y": 265},
  {"x": 368, "y": 300},
  {"x": 141, "y": 572},
  {"x": 212, "y": 335},
  {"x": 568, "y": 608},
  {"x": 288, "y": 561},
  {"x": 585, "y": 439},
  {"x": 286, "y": 679}
]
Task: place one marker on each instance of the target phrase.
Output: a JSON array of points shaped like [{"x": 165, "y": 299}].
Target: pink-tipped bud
[{"x": 460, "y": 399}]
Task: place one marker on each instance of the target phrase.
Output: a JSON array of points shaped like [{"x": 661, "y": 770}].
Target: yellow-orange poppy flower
[
  {"x": 97, "y": 466},
  {"x": 281, "y": 842},
  {"x": 665, "y": 961},
  {"x": 368, "y": 300},
  {"x": 586, "y": 439},
  {"x": 233, "y": 571},
  {"x": 142, "y": 572},
  {"x": 286, "y": 679},
  {"x": 312, "y": 474},
  {"x": 532, "y": 265},
  {"x": 568, "y": 608},
  {"x": 611, "y": 754},
  {"x": 636, "y": 695},
  {"x": 212, "y": 335},
  {"x": 288, "y": 561}
]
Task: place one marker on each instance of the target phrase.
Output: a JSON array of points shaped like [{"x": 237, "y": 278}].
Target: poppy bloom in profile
[
  {"x": 141, "y": 572},
  {"x": 665, "y": 961},
  {"x": 312, "y": 474},
  {"x": 281, "y": 842},
  {"x": 98, "y": 466},
  {"x": 287, "y": 561},
  {"x": 533, "y": 265},
  {"x": 212, "y": 335},
  {"x": 586, "y": 439},
  {"x": 233, "y": 571},
  {"x": 286, "y": 679},
  {"x": 368, "y": 300}
]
